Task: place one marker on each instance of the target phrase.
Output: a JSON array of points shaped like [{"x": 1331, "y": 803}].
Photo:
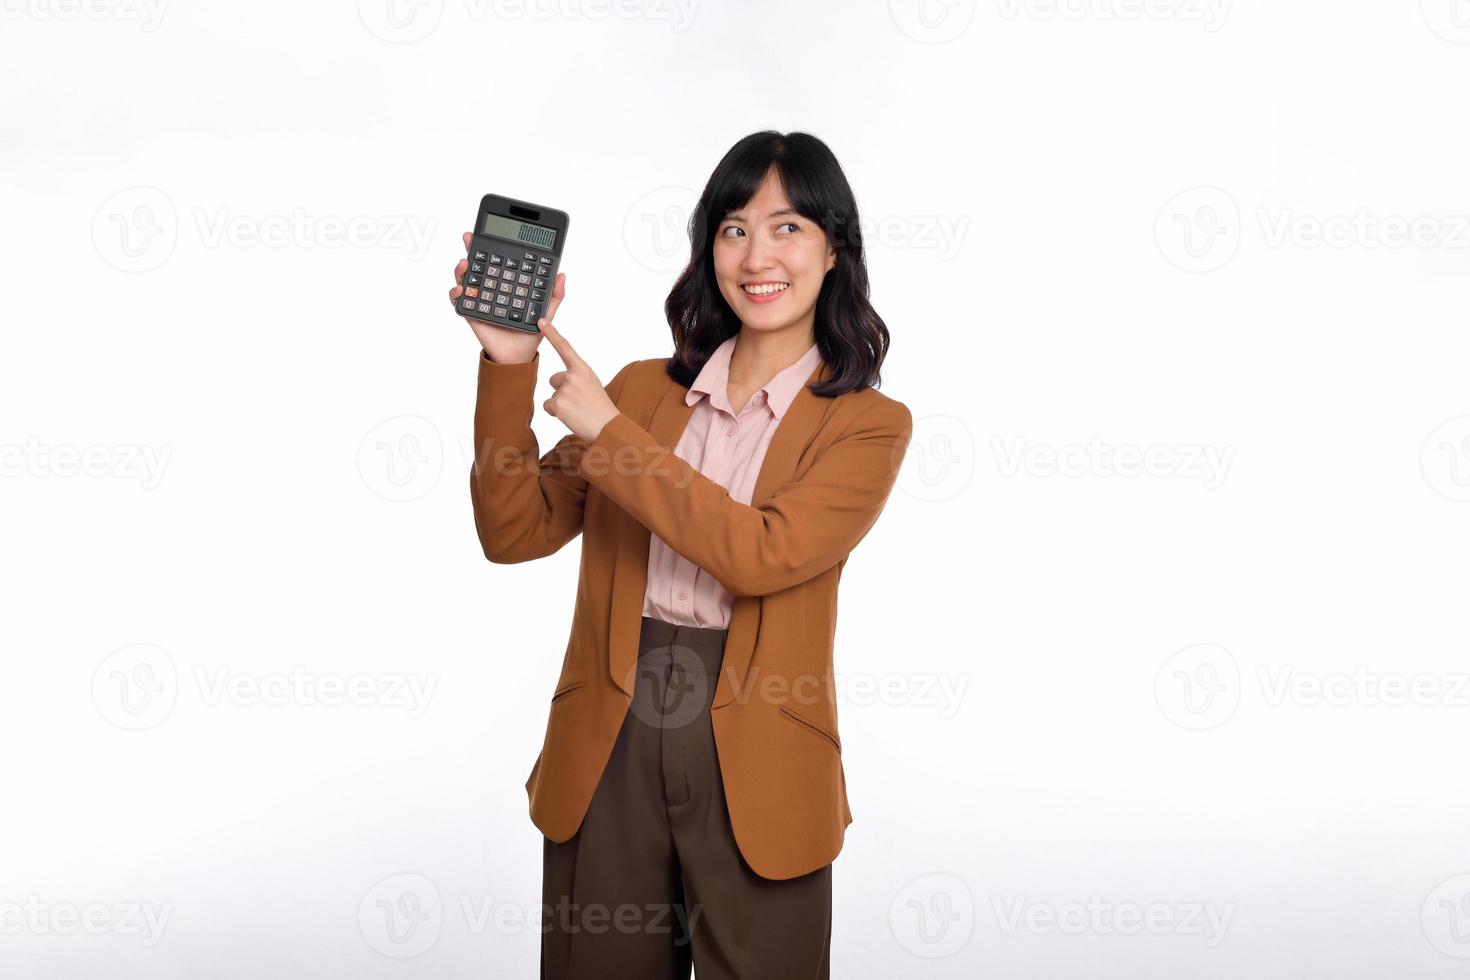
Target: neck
[{"x": 760, "y": 355}]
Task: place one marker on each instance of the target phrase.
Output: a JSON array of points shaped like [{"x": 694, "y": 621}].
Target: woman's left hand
[{"x": 580, "y": 400}]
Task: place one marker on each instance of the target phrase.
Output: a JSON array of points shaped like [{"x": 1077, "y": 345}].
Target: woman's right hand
[{"x": 505, "y": 344}]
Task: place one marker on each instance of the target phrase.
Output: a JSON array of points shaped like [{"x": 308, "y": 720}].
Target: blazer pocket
[
  {"x": 571, "y": 688},
  {"x": 812, "y": 727}
]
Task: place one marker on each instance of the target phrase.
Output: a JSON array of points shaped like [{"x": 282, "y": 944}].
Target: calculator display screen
[{"x": 518, "y": 231}]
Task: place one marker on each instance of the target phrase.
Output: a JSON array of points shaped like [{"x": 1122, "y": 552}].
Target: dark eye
[
  {"x": 730, "y": 228},
  {"x": 792, "y": 225}
]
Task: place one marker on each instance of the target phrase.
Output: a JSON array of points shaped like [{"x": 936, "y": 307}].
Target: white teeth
[{"x": 765, "y": 290}]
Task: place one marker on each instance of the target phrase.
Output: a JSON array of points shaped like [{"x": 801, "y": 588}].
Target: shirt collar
[{"x": 713, "y": 380}]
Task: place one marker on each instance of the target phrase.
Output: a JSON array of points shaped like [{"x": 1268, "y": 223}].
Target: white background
[{"x": 235, "y": 447}]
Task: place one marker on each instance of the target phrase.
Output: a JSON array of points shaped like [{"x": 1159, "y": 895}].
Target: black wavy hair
[{"x": 849, "y": 334}]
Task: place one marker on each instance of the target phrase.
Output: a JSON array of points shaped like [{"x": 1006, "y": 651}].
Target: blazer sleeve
[
  {"x": 525, "y": 507},
  {"x": 805, "y": 528}
]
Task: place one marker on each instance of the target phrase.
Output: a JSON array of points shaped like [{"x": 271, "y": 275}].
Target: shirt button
[{"x": 683, "y": 595}]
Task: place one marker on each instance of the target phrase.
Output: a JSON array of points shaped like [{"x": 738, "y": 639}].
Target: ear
[{"x": 831, "y": 258}]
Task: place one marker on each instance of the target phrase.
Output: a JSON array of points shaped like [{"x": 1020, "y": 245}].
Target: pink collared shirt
[{"x": 728, "y": 448}]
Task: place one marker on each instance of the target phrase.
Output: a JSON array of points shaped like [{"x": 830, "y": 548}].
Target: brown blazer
[{"x": 826, "y": 476}]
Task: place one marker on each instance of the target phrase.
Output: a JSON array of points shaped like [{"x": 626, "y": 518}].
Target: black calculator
[{"x": 513, "y": 257}]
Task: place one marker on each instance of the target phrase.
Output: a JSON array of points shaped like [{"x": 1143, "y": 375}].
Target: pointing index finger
[{"x": 568, "y": 356}]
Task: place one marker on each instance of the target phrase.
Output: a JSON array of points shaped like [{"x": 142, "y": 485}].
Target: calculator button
[
  {"x": 524, "y": 280},
  {"x": 506, "y": 287},
  {"x": 502, "y": 300},
  {"x": 484, "y": 307},
  {"x": 508, "y": 274},
  {"x": 546, "y": 260},
  {"x": 521, "y": 290},
  {"x": 471, "y": 280},
  {"x": 530, "y": 255},
  {"x": 472, "y": 292},
  {"x": 518, "y": 304},
  {"x": 516, "y": 316},
  {"x": 537, "y": 295},
  {"x": 476, "y": 267},
  {"x": 500, "y": 312},
  {"x": 496, "y": 259},
  {"x": 540, "y": 284},
  {"x": 479, "y": 256},
  {"x": 542, "y": 270},
  {"x": 467, "y": 304},
  {"x": 533, "y": 312}
]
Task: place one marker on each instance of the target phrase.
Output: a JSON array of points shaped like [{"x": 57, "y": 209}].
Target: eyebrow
[{"x": 734, "y": 215}]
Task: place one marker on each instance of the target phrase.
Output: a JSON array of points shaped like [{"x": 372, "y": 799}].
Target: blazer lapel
[
  {"x": 630, "y": 577},
  {"x": 793, "y": 434}
]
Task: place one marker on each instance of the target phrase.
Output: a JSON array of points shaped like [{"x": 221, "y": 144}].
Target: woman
[{"x": 690, "y": 786}]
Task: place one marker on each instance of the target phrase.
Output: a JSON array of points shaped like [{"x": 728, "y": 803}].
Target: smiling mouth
[{"x": 765, "y": 288}]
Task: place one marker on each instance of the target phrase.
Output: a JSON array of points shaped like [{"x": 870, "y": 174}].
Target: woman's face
[{"x": 770, "y": 261}]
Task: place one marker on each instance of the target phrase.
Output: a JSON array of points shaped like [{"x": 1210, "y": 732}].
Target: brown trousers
[{"x": 653, "y": 881}]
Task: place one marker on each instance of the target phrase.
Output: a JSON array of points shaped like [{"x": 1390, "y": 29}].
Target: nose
[{"x": 757, "y": 254}]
